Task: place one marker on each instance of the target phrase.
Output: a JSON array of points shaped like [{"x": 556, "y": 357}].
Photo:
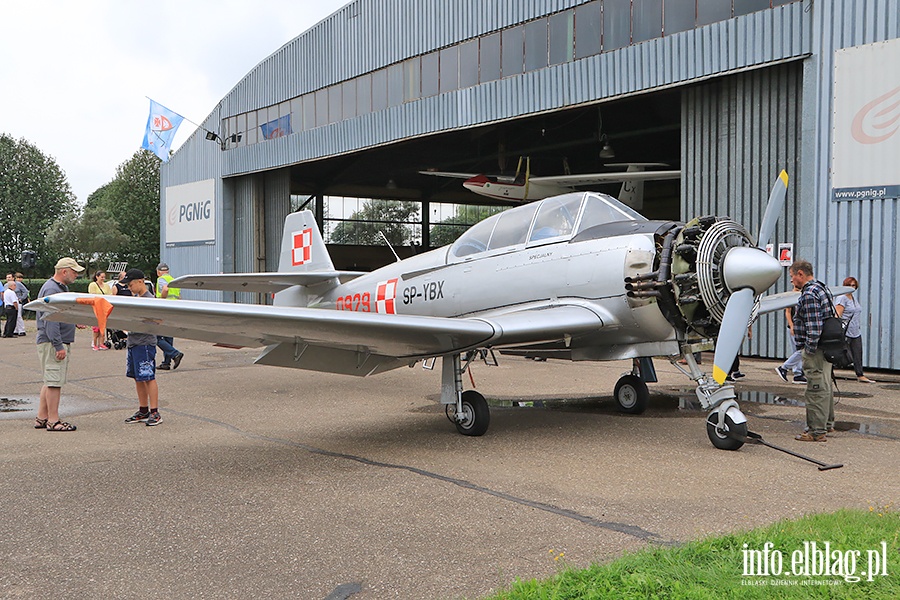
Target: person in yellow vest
[{"x": 171, "y": 356}]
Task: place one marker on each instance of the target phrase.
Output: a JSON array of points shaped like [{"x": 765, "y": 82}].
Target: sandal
[
  {"x": 60, "y": 426},
  {"x": 40, "y": 423}
]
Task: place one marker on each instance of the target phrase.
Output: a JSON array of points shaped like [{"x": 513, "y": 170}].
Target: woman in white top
[{"x": 848, "y": 309}]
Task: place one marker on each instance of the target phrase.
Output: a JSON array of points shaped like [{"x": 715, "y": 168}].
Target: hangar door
[
  {"x": 261, "y": 203},
  {"x": 738, "y": 132}
]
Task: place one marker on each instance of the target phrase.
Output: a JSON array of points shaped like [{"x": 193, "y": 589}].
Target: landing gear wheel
[
  {"x": 475, "y": 416},
  {"x": 725, "y": 440},
  {"x": 632, "y": 395}
]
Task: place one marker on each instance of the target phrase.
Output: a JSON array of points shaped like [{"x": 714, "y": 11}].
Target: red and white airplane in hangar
[
  {"x": 579, "y": 276},
  {"x": 525, "y": 188}
]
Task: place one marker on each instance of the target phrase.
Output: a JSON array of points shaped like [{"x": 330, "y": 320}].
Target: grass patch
[{"x": 714, "y": 567}]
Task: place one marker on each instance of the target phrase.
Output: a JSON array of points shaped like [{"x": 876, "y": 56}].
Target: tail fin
[
  {"x": 632, "y": 192},
  {"x": 302, "y": 247}
]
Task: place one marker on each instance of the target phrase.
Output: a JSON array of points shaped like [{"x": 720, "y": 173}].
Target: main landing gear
[
  {"x": 467, "y": 410},
  {"x": 631, "y": 394}
]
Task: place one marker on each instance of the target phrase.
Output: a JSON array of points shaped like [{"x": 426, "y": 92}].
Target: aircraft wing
[
  {"x": 591, "y": 178},
  {"x": 346, "y": 342},
  {"x": 259, "y": 282},
  {"x": 450, "y": 174}
]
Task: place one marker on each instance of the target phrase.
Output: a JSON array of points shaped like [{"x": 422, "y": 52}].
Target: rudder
[{"x": 302, "y": 247}]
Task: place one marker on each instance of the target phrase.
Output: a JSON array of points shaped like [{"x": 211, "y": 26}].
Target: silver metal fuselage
[{"x": 589, "y": 274}]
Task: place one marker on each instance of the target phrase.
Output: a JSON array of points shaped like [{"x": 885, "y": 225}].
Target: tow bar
[{"x": 755, "y": 438}]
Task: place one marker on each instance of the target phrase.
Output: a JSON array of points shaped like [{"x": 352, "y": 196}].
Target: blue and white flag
[
  {"x": 161, "y": 127},
  {"x": 278, "y": 128}
]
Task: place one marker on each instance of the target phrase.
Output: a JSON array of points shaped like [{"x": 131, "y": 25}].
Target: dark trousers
[
  {"x": 11, "y": 319},
  {"x": 169, "y": 351},
  {"x": 856, "y": 353}
]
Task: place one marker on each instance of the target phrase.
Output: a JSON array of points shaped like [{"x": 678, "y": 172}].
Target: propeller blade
[
  {"x": 773, "y": 210},
  {"x": 732, "y": 331}
]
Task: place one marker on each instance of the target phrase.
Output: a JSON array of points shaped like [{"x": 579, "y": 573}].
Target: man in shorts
[
  {"x": 53, "y": 341},
  {"x": 140, "y": 361}
]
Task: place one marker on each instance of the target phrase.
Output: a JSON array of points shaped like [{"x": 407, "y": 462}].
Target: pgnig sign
[
  {"x": 815, "y": 563},
  {"x": 191, "y": 214}
]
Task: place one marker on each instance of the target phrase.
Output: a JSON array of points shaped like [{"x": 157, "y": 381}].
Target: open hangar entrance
[
  {"x": 593, "y": 138},
  {"x": 730, "y": 136}
]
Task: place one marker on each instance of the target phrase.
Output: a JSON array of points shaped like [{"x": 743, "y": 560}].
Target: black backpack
[{"x": 833, "y": 340}]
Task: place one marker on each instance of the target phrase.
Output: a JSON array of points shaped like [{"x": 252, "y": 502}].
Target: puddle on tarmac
[
  {"x": 25, "y": 407},
  {"x": 8, "y": 405},
  {"x": 663, "y": 405}
]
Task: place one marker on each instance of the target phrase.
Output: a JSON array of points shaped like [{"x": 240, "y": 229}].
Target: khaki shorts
[{"x": 54, "y": 370}]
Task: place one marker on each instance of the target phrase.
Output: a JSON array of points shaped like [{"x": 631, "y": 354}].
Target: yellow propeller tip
[
  {"x": 783, "y": 176},
  {"x": 719, "y": 375}
]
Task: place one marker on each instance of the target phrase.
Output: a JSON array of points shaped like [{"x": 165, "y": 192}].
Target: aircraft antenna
[{"x": 386, "y": 241}]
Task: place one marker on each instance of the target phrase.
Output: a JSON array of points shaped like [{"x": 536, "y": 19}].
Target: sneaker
[
  {"x": 154, "y": 419},
  {"x": 138, "y": 417},
  {"x": 176, "y": 360},
  {"x": 163, "y": 367},
  {"x": 800, "y": 379},
  {"x": 782, "y": 372},
  {"x": 101, "y": 348},
  {"x": 807, "y": 436},
  {"x": 737, "y": 375}
]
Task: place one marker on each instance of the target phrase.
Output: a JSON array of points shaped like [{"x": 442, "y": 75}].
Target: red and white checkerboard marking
[
  {"x": 386, "y": 296},
  {"x": 302, "y": 250}
]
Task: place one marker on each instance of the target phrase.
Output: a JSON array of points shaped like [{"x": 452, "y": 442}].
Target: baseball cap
[
  {"x": 68, "y": 263},
  {"x": 162, "y": 267},
  {"x": 133, "y": 275}
]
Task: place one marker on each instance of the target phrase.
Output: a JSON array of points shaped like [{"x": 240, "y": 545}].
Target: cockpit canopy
[{"x": 550, "y": 220}]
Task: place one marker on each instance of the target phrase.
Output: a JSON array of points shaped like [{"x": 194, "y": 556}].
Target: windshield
[
  {"x": 600, "y": 209},
  {"x": 552, "y": 219}
]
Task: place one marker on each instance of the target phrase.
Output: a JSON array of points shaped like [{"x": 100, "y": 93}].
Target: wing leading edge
[
  {"x": 266, "y": 283},
  {"x": 325, "y": 340}
]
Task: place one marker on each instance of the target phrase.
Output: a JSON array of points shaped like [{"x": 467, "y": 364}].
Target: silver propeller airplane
[{"x": 578, "y": 276}]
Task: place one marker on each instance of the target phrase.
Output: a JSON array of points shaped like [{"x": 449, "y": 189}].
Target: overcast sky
[{"x": 74, "y": 75}]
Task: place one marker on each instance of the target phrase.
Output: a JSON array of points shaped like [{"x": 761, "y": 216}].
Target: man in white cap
[{"x": 53, "y": 341}]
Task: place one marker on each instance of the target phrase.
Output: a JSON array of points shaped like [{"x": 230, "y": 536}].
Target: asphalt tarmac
[{"x": 278, "y": 483}]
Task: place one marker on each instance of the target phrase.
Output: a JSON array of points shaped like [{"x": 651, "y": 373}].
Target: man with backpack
[{"x": 813, "y": 307}]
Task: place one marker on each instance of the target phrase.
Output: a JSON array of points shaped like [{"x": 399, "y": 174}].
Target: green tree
[
  {"x": 90, "y": 235},
  {"x": 132, "y": 200},
  {"x": 34, "y": 192},
  {"x": 446, "y": 231},
  {"x": 391, "y": 217}
]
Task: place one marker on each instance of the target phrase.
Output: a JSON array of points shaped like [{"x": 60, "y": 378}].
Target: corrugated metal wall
[
  {"x": 745, "y": 42},
  {"x": 366, "y": 35},
  {"x": 857, "y": 238},
  {"x": 277, "y": 208},
  {"x": 738, "y": 132}
]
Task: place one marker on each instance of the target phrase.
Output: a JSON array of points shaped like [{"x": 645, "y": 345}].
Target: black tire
[
  {"x": 632, "y": 395},
  {"x": 730, "y": 440},
  {"x": 476, "y": 414}
]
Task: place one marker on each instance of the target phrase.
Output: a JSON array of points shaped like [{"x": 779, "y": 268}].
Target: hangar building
[{"x": 346, "y": 115}]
